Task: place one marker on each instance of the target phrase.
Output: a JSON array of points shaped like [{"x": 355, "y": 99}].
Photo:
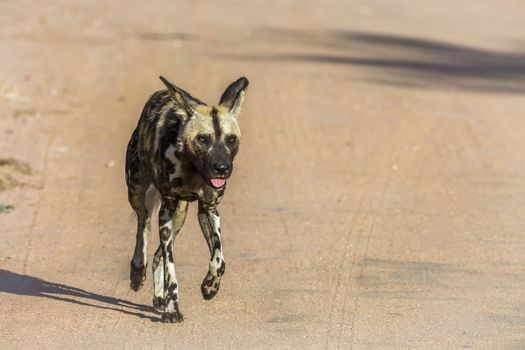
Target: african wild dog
[{"x": 182, "y": 150}]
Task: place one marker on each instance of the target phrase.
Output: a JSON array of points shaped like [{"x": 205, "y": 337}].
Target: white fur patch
[
  {"x": 172, "y": 278},
  {"x": 229, "y": 126},
  {"x": 168, "y": 222},
  {"x": 152, "y": 200},
  {"x": 158, "y": 280},
  {"x": 171, "y": 307},
  {"x": 158, "y": 129},
  {"x": 214, "y": 265},
  {"x": 170, "y": 155},
  {"x": 215, "y": 223}
]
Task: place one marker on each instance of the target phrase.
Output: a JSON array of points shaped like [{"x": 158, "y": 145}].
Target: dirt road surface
[{"x": 377, "y": 201}]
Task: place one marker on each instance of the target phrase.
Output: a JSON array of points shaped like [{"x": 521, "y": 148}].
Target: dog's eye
[
  {"x": 202, "y": 139},
  {"x": 232, "y": 139}
]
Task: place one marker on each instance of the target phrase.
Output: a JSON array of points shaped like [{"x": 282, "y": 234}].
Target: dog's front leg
[
  {"x": 211, "y": 228},
  {"x": 158, "y": 260},
  {"x": 170, "y": 310}
]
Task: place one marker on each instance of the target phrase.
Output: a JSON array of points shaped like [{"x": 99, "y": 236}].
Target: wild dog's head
[{"x": 209, "y": 137}]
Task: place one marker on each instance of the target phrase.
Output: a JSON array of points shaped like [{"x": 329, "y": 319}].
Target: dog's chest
[
  {"x": 191, "y": 187},
  {"x": 172, "y": 178}
]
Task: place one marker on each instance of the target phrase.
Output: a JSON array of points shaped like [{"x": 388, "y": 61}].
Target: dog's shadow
[{"x": 14, "y": 283}]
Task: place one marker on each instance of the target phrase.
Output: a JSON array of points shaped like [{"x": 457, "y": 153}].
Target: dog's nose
[{"x": 221, "y": 168}]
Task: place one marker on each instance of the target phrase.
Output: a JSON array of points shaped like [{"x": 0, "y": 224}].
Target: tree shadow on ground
[
  {"x": 14, "y": 283},
  {"x": 399, "y": 60}
]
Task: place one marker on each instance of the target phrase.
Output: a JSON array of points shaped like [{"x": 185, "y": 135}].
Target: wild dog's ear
[
  {"x": 184, "y": 99},
  {"x": 233, "y": 96}
]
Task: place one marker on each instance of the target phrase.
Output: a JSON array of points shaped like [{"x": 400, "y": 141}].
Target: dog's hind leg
[
  {"x": 137, "y": 196},
  {"x": 139, "y": 261},
  {"x": 168, "y": 231},
  {"x": 209, "y": 221}
]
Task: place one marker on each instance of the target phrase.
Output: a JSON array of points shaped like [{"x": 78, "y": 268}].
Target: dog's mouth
[{"x": 218, "y": 182}]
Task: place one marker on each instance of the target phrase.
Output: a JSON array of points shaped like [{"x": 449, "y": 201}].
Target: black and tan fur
[{"x": 182, "y": 150}]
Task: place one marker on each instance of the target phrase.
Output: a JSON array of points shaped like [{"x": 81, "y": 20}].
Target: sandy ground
[{"x": 378, "y": 198}]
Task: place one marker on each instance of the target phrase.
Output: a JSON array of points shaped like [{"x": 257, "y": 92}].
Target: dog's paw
[
  {"x": 172, "y": 317},
  {"x": 158, "y": 303},
  {"x": 210, "y": 287},
  {"x": 137, "y": 276}
]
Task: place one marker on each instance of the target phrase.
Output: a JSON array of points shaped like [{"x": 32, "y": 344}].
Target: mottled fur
[{"x": 182, "y": 150}]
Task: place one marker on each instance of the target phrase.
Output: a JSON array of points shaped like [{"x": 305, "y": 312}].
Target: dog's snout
[{"x": 221, "y": 168}]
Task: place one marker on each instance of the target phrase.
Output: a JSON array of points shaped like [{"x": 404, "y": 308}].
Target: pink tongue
[{"x": 218, "y": 182}]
